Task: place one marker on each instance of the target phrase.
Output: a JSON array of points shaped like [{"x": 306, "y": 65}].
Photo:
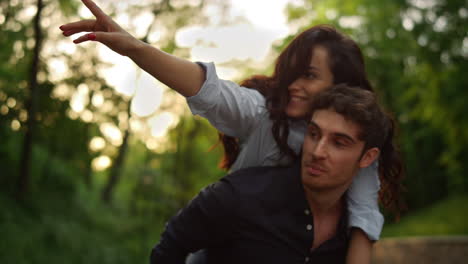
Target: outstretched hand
[
  {"x": 102, "y": 29},
  {"x": 162, "y": 66}
]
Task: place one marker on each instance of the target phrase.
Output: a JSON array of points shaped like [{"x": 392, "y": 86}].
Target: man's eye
[
  {"x": 314, "y": 134},
  {"x": 339, "y": 143},
  {"x": 310, "y": 75}
]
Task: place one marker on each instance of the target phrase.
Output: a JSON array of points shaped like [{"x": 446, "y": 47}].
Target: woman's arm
[
  {"x": 182, "y": 75},
  {"x": 365, "y": 219},
  {"x": 362, "y": 199},
  {"x": 360, "y": 248},
  {"x": 231, "y": 109}
]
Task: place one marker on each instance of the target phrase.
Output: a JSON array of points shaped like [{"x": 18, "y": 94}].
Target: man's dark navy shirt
[{"x": 254, "y": 215}]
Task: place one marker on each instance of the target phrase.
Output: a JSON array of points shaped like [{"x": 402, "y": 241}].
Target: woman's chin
[{"x": 296, "y": 113}]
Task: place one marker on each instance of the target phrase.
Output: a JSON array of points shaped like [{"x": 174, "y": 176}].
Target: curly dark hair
[
  {"x": 377, "y": 129},
  {"x": 346, "y": 64}
]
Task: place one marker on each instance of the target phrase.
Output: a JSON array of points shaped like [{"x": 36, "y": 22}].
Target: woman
[{"x": 265, "y": 125}]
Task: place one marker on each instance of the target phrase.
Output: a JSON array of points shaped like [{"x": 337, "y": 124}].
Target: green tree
[{"x": 416, "y": 57}]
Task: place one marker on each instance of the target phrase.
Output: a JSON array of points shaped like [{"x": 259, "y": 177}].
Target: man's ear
[{"x": 368, "y": 157}]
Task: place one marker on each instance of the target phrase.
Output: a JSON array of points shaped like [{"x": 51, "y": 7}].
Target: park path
[{"x": 415, "y": 250}]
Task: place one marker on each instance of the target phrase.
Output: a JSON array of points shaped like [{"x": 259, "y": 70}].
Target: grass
[{"x": 446, "y": 217}]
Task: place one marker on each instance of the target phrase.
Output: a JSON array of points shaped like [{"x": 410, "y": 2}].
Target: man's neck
[
  {"x": 327, "y": 208},
  {"x": 324, "y": 202}
]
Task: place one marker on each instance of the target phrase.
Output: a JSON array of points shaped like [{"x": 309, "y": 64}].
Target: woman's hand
[
  {"x": 166, "y": 68},
  {"x": 103, "y": 29}
]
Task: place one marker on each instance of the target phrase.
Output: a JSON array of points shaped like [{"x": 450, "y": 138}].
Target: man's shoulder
[
  {"x": 257, "y": 173},
  {"x": 256, "y": 180}
]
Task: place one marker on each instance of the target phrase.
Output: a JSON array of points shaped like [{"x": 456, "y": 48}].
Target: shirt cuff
[
  {"x": 369, "y": 221},
  {"x": 208, "y": 94}
]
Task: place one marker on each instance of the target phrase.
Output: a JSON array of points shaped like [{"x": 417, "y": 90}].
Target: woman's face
[{"x": 317, "y": 77}]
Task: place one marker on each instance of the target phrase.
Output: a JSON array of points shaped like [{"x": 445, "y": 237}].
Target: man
[{"x": 291, "y": 214}]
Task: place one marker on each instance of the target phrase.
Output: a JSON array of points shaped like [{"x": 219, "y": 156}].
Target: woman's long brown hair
[{"x": 346, "y": 64}]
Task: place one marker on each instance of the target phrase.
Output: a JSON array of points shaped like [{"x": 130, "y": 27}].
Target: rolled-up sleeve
[
  {"x": 362, "y": 199},
  {"x": 230, "y": 108},
  {"x": 206, "y": 221}
]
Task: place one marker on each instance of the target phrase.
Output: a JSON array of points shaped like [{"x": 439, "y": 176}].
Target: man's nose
[{"x": 320, "y": 150}]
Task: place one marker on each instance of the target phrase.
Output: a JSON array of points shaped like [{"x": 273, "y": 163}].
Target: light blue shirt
[{"x": 241, "y": 112}]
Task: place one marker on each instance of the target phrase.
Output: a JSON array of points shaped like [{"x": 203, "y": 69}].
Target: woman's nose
[{"x": 296, "y": 85}]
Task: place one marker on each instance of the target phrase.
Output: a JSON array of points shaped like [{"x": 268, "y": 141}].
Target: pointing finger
[{"x": 97, "y": 12}]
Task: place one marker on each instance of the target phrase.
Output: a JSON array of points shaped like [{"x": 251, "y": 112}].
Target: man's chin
[{"x": 314, "y": 182}]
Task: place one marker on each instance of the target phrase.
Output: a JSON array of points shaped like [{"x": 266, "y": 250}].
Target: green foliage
[
  {"x": 416, "y": 59},
  {"x": 59, "y": 227},
  {"x": 161, "y": 183},
  {"x": 418, "y": 72},
  {"x": 446, "y": 217},
  {"x": 61, "y": 218},
  {"x": 9, "y": 155},
  {"x": 68, "y": 7}
]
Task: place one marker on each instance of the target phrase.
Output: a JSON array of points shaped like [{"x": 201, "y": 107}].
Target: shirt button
[
  {"x": 306, "y": 211},
  {"x": 309, "y": 227}
]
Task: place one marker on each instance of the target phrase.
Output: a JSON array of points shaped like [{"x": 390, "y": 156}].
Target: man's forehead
[{"x": 331, "y": 122}]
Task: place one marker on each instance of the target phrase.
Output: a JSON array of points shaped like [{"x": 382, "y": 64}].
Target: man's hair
[{"x": 377, "y": 129}]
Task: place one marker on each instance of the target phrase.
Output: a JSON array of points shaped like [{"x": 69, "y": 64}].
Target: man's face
[{"x": 331, "y": 153}]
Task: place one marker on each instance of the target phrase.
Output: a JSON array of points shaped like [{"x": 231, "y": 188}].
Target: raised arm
[
  {"x": 166, "y": 68},
  {"x": 233, "y": 110}
]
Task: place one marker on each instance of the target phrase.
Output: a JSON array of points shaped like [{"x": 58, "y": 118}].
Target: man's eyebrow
[
  {"x": 312, "y": 123},
  {"x": 338, "y": 134},
  {"x": 348, "y": 137}
]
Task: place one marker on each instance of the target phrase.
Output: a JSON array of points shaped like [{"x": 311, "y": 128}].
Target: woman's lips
[{"x": 294, "y": 98}]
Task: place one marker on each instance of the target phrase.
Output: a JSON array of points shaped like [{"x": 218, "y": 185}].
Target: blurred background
[{"x": 96, "y": 155}]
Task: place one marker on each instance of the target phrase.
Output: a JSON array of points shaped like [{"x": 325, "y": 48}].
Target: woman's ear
[{"x": 368, "y": 157}]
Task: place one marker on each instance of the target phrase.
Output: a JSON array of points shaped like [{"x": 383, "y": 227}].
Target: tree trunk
[
  {"x": 117, "y": 167},
  {"x": 184, "y": 158},
  {"x": 31, "y": 107},
  {"x": 89, "y": 158},
  {"x": 7, "y": 13}
]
